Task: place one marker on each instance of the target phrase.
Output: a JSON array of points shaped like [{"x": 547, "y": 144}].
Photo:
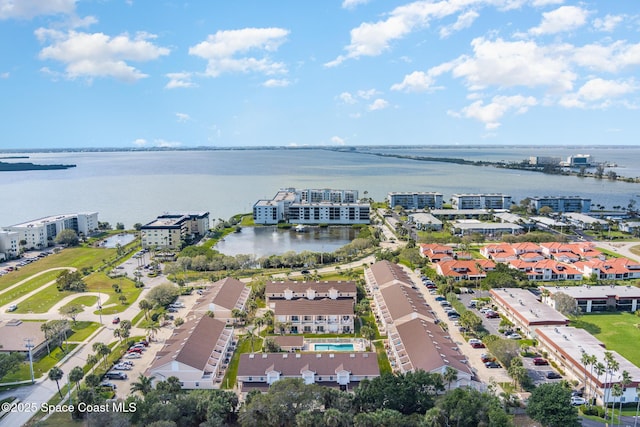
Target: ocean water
[{"x": 131, "y": 187}]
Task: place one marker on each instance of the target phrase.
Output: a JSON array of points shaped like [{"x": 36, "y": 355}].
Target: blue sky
[{"x": 133, "y": 73}]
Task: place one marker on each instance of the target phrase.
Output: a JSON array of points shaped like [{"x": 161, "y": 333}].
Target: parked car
[
  {"x": 577, "y": 400},
  {"x": 12, "y": 307},
  {"x": 116, "y": 375},
  {"x": 143, "y": 342},
  {"x": 540, "y": 361},
  {"x": 514, "y": 336},
  {"x": 122, "y": 367},
  {"x": 440, "y": 298},
  {"x": 492, "y": 364},
  {"x": 552, "y": 375},
  {"x": 134, "y": 350},
  {"x": 133, "y": 355},
  {"x": 485, "y": 357},
  {"x": 107, "y": 384},
  {"x": 491, "y": 315},
  {"x": 115, "y": 320}
]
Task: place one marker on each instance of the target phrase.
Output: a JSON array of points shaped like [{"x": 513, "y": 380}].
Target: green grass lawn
[
  {"x": 40, "y": 367},
  {"x": 86, "y": 301},
  {"x": 383, "y": 360},
  {"x": 43, "y": 300},
  {"x": 28, "y": 286},
  {"x": 82, "y": 330},
  {"x": 618, "y": 331},
  {"x": 244, "y": 346}
]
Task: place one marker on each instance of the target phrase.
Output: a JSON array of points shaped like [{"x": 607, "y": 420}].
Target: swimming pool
[{"x": 333, "y": 347}]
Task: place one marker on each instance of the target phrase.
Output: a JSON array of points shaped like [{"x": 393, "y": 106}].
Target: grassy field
[
  {"x": 619, "y": 332},
  {"x": 244, "y": 346},
  {"x": 40, "y": 367},
  {"x": 82, "y": 330},
  {"x": 86, "y": 301},
  {"x": 28, "y": 286}
]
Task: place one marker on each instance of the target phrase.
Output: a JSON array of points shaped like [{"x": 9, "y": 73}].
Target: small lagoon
[
  {"x": 265, "y": 241},
  {"x": 119, "y": 239}
]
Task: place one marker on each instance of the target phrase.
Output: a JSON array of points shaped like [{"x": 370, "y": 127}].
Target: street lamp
[
  {"x": 29, "y": 345},
  {"x": 100, "y": 308}
]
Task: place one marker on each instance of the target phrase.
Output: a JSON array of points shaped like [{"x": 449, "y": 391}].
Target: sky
[{"x": 204, "y": 73}]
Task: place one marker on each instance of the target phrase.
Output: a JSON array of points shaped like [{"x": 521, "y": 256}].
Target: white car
[
  {"x": 122, "y": 367},
  {"x": 133, "y": 356},
  {"x": 577, "y": 401}
]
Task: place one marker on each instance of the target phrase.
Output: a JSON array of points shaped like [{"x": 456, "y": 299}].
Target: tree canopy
[
  {"x": 550, "y": 405},
  {"x": 67, "y": 237}
]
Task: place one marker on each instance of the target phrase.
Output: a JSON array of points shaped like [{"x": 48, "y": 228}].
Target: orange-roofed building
[
  {"x": 546, "y": 270},
  {"x": 465, "y": 270},
  {"x": 436, "y": 252}
]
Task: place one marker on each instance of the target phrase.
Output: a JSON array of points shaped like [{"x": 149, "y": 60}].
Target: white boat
[{"x": 301, "y": 228}]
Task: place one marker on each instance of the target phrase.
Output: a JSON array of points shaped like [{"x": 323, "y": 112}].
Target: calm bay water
[{"x": 132, "y": 187}]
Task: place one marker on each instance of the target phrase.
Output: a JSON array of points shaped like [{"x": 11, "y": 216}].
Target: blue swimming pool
[{"x": 333, "y": 347}]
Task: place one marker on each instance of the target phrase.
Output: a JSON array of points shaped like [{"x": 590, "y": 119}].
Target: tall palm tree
[
  {"x": 612, "y": 366},
  {"x": 75, "y": 375},
  {"x": 450, "y": 375},
  {"x": 592, "y": 362},
  {"x": 616, "y": 391},
  {"x": 144, "y": 384},
  {"x": 586, "y": 361},
  {"x": 56, "y": 374},
  {"x": 600, "y": 370},
  {"x": 625, "y": 380}
]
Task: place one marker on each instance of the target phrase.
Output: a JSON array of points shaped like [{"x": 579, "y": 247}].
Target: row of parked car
[{"x": 117, "y": 372}]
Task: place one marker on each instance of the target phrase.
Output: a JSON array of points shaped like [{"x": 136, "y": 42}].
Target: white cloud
[
  {"x": 27, "y": 9},
  {"x": 352, "y": 4},
  {"x": 140, "y": 142},
  {"x": 223, "y": 51},
  {"x": 611, "y": 58},
  {"x": 276, "y": 83},
  {"x": 179, "y": 80},
  {"x": 92, "y": 55},
  {"x": 183, "y": 117},
  {"x": 378, "y": 104},
  {"x": 508, "y": 64},
  {"x": 367, "y": 94},
  {"x": 563, "y": 19},
  {"x": 417, "y": 81},
  {"x": 464, "y": 21},
  {"x": 598, "y": 93},
  {"x": 539, "y": 3},
  {"x": 337, "y": 140},
  {"x": 490, "y": 114},
  {"x": 347, "y": 98},
  {"x": 608, "y": 23},
  {"x": 5, "y": 75}
]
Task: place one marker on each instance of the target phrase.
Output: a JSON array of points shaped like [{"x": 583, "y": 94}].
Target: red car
[
  {"x": 115, "y": 320},
  {"x": 540, "y": 361},
  {"x": 491, "y": 315},
  {"x": 135, "y": 350},
  {"x": 487, "y": 358}
]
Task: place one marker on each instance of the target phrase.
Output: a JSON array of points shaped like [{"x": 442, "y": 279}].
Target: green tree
[
  {"x": 550, "y": 405},
  {"x": 10, "y": 362},
  {"x": 92, "y": 380},
  {"x": 566, "y": 304},
  {"x": 56, "y": 374},
  {"x": 467, "y": 407},
  {"x": 368, "y": 333},
  {"x": 67, "y": 237},
  {"x": 145, "y": 305},
  {"x": 144, "y": 384},
  {"x": 162, "y": 295},
  {"x": 71, "y": 311},
  {"x": 450, "y": 375},
  {"x": 75, "y": 375}
]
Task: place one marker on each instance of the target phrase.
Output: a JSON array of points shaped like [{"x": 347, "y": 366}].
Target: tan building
[
  {"x": 168, "y": 231},
  {"x": 415, "y": 340},
  {"x": 310, "y": 290},
  {"x": 222, "y": 297},
  {"x": 315, "y": 316},
  {"x": 344, "y": 370},
  {"x": 525, "y": 311},
  {"x": 197, "y": 354}
]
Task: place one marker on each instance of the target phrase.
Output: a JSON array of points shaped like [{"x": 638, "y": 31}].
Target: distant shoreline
[{"x": 18, "y": 167}]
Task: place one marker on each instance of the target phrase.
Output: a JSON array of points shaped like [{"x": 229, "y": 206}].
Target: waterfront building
[
  {"x": 480, "y": 201},
  {"x": 415, "y": 339},
  {"x": 525, "y": 311},
  {"x": 197, "y": 353},
  {"x": 336, "y": 369},
  {"x": 309, "y": 206},
  {"x": 465, "y": 213},
  {"x": 415, "y": 200},
  {"x": 40, "y": 233},
  {"x": 169, "y": 231},
  {"x": 631, "y": 227},
  {"x": 566, "y": 346},
  {"x": 597, "y": 298},
  {"x": 222, "y": 297},
  {"x": 9, "y": 244},
  {"x": 561, "y": 204},
  {"x": 578, "y": 160},
  {"x": 425, "y": 222}
]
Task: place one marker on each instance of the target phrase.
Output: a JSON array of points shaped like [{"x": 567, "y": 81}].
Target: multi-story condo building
[
  {"x": 561, "y": 203},
  {"x": 310, "y": 206},
  {"x": 9, "y": 244},
  {"x": 480, "y": 201},
  {"x": 415, "y": 200},
  {"x": 39, "y": 233},
  {"x": 168, "y": 231},
  {"x": 289, "y": 290},
  {"x": 320, "y": 316}
]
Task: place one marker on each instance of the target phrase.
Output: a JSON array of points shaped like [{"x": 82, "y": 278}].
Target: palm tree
[
  {"x": 600, "y": 370},
  {"x": 592, "y": 362},
  {"x": 450, "y": 375},
  {"x": 145, "y": 306},
  {"x": 616, "y": 391},
  {"x": 369, "y": 333},
  {"x": 624, "y": 382},
  {"x": 144, "y": 384},
  {"x": 612, "y": 366},
  {"x": 586, "y": 361},
  {"x": 56, "y": 374},
  {"x": 75, "y": 375},
  {"x": 151, "y": 329}
]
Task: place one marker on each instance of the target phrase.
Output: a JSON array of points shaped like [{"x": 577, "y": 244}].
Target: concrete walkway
[{"x": 35, "y": 291}]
